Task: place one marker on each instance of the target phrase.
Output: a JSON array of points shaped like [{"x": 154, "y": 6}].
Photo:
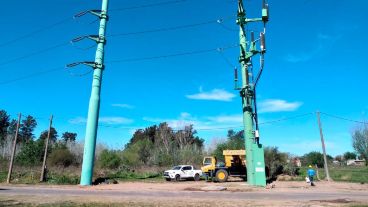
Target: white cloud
[
  {"x": 214, "y": 95},
  {"x": 104, "y": 120},
  {"x": 115, "y": 120},
  {"x": 278, "y": 105},
  {"x": 125, "y": 106},
  {"x": 227, "y": 119},
  {"x": 214, "y": 122},
  {"x": 78, "y": 120}
]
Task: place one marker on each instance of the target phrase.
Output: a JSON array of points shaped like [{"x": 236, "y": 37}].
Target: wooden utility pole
[
  {"x": 42, "y": 178},
  {"x": 323, "y": 146},
  {"x": 13, "y": 151}
]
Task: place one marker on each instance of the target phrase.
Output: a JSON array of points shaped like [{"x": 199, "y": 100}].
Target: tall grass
[{"x": 355, "y": 174}]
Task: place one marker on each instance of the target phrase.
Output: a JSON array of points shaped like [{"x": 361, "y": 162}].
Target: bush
[
  {"x": 61, "y": 157},
  {"x": 109, "y": 159},
  {"x": 63, "y": 179},
  {"x": 315, "y": 158},
  {"x": 275, "y": 160},
  {"x": 31, "y": 153}
]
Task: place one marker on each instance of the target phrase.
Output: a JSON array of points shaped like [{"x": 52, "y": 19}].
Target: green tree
[
  {"x": 350, "y": 156},
  {"x": 4, "y": 124},
  {"x": 31, "y": 153},
  {"x": 235, "y": 141},
  {"x": 315, "y": 158},
  {"x": 275, "y": 160},
  {"x": 360, "y": 142},
  {"x": 53, "y": 135},
  {"x": 69, "y": 137},
  {"x": 109, "y": 159},
  {"x": 26, "y": 129}
]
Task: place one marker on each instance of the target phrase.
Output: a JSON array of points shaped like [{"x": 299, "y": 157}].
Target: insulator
[{"x": 263, "y": 41}]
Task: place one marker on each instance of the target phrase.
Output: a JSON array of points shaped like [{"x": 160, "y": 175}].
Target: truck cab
[{"x": 234, "y": 166}]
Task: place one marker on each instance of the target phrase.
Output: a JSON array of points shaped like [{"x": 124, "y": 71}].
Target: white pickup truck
[{"x": 182, "y": 172}]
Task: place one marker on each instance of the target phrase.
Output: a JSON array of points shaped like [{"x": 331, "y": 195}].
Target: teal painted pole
[
  {"x": 254, "y": 151},
  {"x": 94, "y": 103}
]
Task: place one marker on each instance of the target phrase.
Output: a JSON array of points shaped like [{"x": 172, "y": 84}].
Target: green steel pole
[
  {"x": 254, "y": 151},
  {"x": 94, "y": 103}
]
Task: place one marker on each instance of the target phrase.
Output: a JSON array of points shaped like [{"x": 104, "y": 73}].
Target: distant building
[
  {"x": 336, "y": 162},
  {"x": 296, "y": 161},
  {"x": 355, "y": 162}
]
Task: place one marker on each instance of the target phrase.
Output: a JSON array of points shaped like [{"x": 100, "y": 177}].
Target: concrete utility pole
[
  {"x": 256, "y": 174},
  {"x": 42, "y": 178},
  {"x": 94, "y": 103},
  {"x": 13, "y": 150},
  {"x": 323, "y": 146}
]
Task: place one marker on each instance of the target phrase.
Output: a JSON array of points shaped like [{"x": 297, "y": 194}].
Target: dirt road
[{"x": 194, "y": 194}]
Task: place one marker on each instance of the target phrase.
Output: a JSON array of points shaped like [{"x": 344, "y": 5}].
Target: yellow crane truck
[{"x": 234, "y": 166}]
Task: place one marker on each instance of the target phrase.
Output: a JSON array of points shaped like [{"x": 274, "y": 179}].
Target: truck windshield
[
  {"x": 207, "y": 161},
  {"x": 176, "y": 168}
]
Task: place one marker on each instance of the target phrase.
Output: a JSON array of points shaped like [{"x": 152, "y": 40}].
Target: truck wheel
[
  {"x": 167, "y": 179},
  {"x": 221, "y": 175},
  {"x": 177, "y": 178},
  {"x": 197, "y": 177}
]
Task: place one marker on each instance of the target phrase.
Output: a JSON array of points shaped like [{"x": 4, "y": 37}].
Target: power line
[
  {"x": 32, "y": 75},
  {"x": 48, "y": 27},
  {"x": 164, "y": 3},
  {"x": 171, "y": 55},
  {"x": 218, "y": 21},
  {"x": 342, "y": 118},
  {"x": 287, "y": 118},
  {"x": 35, "y": 32},
  {"x": 117, "y": 61},
  {"x": 33, "y": 54}
]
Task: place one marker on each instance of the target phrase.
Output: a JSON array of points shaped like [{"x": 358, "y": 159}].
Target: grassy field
[
  {"x": 337, "y": 173},
  {"x": 353, "y": 174},
  {"x": 72, "y": 176}
]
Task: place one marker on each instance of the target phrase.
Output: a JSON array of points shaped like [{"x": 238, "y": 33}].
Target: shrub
[
  {"x": 109, "y": 159},
  {"x": 31, "y": 153},
  {"x": 61, "y": 157}
]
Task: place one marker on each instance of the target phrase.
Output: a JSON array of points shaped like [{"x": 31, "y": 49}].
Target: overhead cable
[
  {"x": 171, "y": 55},
  {"x": 148, "y": 5},
  {"x": 342, "y": 118}
]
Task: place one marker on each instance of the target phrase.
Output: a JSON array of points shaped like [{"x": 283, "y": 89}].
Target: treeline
[
  {"x": 63, "y": 151},
  {"x": 158, "y": 145}
]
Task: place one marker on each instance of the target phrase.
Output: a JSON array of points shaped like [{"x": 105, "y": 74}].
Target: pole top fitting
[{"x": 94, "y": 65}]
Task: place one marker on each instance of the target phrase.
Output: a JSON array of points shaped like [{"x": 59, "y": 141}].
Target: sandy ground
[{"x": 192, "y": 193}]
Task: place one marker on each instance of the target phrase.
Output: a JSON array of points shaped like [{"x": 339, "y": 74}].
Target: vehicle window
[
  {"x": 207, "y": 161},
  {"x": 187, "y": 168},
  {"x": 176, "y": 168}
]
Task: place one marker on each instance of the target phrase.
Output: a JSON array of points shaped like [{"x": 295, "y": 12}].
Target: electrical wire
[
  {"x": 31, "y": 75},
  {"x": 165, "y": 29},
  {"x": 32, "y": 54},
  {"x": 287, "y": 118},
  {"x": 25, "y": 36},
  {"x": 171, "y": 55},
  {"x": 164, "y": 3},
  {"x": 342, "y": 118}
]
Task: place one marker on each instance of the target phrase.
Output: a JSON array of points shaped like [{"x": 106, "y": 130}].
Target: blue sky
[{"x": 315, "y": 61}]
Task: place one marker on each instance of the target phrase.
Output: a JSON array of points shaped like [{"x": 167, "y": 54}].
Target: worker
[{"x": 311, "y": 173}]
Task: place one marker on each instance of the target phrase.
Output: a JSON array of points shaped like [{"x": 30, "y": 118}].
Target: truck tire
[
  {"x": 177, "y": 178},
  {"x": 221, "y": 175},
  {"x": 167, "y": 179},
  {"x": 197, "y": 177}
]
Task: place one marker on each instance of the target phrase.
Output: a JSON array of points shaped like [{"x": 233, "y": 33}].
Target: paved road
[{"x": 38, "y": 191}]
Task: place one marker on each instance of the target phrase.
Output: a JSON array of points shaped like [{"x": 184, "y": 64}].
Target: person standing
[{"x": 311, "y": 173}]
